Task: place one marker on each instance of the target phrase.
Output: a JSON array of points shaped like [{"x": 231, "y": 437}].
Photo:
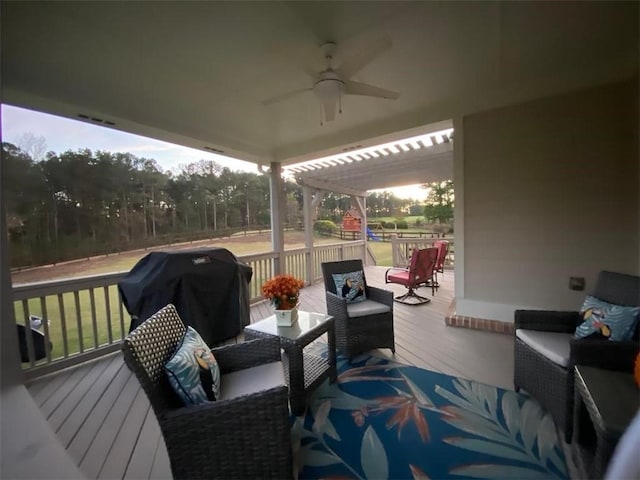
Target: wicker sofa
[
  {"x": 361, "y": 326},
  {"x": 550, "y": 379},
  {"x": 244, "y": 434}
]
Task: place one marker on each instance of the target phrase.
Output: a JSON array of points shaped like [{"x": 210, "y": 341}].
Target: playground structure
[
  {"x": 351, "y": 221},
  {"x": 372, "y": 236}
]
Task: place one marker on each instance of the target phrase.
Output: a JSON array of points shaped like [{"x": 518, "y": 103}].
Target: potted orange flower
[{"x": 283, "y": 291}]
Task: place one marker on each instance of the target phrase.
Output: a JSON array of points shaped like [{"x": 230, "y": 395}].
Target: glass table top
[{"x": 306, "y": 321}]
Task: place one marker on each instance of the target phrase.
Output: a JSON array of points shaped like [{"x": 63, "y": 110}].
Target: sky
[{"x": 62, "y": 134}]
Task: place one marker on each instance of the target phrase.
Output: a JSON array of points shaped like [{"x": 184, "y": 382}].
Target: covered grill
[{"x": 209, "y": 288}]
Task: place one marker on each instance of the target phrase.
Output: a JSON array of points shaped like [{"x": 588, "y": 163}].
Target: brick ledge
[{"x": 462, "y": 321}]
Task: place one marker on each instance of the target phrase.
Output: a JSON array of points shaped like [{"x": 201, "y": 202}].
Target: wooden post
[
  {"x": 276, "y": 188},
  {"x": 361, "y": 206},
  {"x": 395, "y": 257},
  {"x": 308, "y": 233}
]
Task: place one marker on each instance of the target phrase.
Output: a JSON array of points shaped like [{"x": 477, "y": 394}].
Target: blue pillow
[
  {"x": 615, "y": 322},
  {"x": 350, "y": 286},
  {"x": 193, "y": 371}
]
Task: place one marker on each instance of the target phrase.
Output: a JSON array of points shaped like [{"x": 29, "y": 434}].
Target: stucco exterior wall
[{"x": 550, "y": 191}]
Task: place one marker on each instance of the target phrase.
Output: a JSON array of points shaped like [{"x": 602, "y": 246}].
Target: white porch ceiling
[{"x": 196, "y": 73}]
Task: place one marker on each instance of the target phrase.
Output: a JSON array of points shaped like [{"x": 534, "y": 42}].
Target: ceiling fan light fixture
[
  {"x": 330, "y": 85},
  {"x": 329, "y": 89},
  {"x": 329, "y": 92}
]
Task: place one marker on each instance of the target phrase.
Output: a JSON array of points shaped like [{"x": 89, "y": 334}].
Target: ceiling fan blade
[
  {"x": 284, "y": 96},
  {"x": 352, "y": 65},
  {"x": 357, "y": 88},
  {"x": 329, "y": 108}
]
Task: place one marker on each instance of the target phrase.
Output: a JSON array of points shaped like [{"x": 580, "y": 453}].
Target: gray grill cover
[{"x": 209, "y": 288}]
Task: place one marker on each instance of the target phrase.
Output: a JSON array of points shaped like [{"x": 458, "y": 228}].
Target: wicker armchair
[
  {"x": 552, "y": 384},
  {"x": 361, "y": 326},
  {"x": 244, "y": 437}
]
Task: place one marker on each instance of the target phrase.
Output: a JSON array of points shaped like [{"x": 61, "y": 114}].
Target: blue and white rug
[{"x": 386, "y": 420}]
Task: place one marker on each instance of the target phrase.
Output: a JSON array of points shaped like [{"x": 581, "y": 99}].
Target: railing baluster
[
  {"x": 76, "y": 297},
  {"x": 45, "y": 325},
  {"x": 108, "y": 312},
  {"x": 27, "y": 331},
  {"x": 63, "y": 324},
  {"x": 121, "y": 311},
  {"x": 94, "y": 320}
]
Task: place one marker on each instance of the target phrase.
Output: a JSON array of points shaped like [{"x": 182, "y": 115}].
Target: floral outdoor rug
[{"x": 386, "y": 420}]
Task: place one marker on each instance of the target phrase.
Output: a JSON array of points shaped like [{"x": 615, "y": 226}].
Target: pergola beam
[
  {"x": 406, "y": 158},
  {"x": 405, "y": 168},
  {"x": 331, "y": 187}
]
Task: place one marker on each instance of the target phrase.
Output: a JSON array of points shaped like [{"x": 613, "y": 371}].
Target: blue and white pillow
[
  {"x": 193, "y": 371},
  {"x": 615, "y": 322},
  {"x": 350, "y": 286}
]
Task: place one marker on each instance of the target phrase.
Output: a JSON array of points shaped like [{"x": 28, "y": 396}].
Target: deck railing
[
  {"x": 84, "y": 318},
  {"x": 401, "y": 249}
]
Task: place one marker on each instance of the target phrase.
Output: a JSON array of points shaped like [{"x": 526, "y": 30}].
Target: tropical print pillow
[
  {"x": 193, "y": 371},
  {"x": 606, "y": 320},
  {"x": 350, "y": 286}
]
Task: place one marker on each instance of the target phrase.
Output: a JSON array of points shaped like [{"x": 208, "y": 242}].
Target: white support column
[
  {"x": 30, "y": 448},
  {"x": 276, "y": 187},
  {"x": 361, "y": 206},
  {"x": 311, "y": 199},
  {"x": 11, "y": 374},
  {"x": 307, "y": 198},
  {"x": 458, "y": 209},
  {"x": 317, "y": 198}
]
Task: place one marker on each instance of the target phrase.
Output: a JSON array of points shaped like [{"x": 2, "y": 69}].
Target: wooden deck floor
[{"x": 104, "y": 420}]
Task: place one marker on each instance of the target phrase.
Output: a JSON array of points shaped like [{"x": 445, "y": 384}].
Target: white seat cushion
[
  {"x": 553, "y": 345},
  {"x": 365, "y": 308},
  {"x": 251, "y": 380}
]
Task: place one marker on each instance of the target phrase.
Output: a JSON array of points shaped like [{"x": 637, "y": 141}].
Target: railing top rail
[
  {"x": 53, "y": 287},
  {"x": 256, "y": 256},
  {"x": 420, "y": 240}
]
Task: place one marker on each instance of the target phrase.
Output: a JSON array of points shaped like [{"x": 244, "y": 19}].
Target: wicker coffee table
[{"x": 305, "y": 369}]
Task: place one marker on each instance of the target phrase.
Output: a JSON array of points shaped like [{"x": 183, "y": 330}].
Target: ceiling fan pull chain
[
  {"x": 321, "y": 114},
  {"x": 340, "y": 103}
]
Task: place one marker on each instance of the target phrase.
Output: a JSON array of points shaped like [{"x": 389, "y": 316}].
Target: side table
[
  {"x": 305, "y": 370},
  {"x": 605, "y": 403}
]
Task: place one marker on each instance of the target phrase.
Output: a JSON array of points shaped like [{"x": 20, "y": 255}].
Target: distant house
[{"x": 351, "y": 221}]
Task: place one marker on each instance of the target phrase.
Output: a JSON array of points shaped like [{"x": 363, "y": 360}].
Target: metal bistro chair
[
  {"x": 360, "y": 326},
  {"x": 420, "y": 272},
  {"x": 245, "y": 436}
]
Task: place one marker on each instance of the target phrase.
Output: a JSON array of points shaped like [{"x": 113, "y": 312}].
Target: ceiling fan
[{"x": 332, "y": 83}]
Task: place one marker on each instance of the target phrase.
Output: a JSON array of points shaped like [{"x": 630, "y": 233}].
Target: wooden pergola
[{"x": 424, "y": 157}]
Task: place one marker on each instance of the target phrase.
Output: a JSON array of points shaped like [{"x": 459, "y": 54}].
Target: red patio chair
[
  {"x": 421, "y": 271},
  {"x": 443, "y": 250}
]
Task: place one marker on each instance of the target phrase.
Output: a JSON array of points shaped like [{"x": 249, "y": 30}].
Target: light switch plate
[{"x": 576, "y": 283}]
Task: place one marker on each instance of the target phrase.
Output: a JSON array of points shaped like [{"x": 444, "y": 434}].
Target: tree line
[{"x": 81, "y": 203}]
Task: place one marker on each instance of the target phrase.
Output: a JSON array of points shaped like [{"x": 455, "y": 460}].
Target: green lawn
[
  {"x": 77, "y": 321},
  {"x": 382, "y": 252}
]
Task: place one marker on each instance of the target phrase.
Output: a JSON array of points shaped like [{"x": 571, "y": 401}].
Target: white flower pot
[{"x": 286, "y": 318}]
